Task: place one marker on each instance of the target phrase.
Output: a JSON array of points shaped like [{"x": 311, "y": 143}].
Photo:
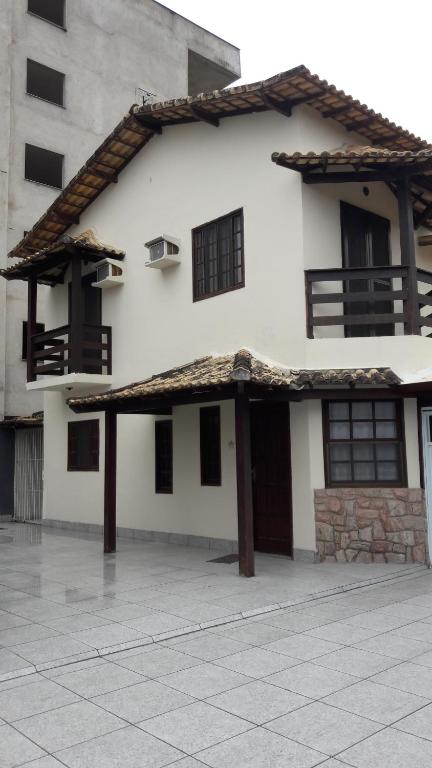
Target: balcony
[
  {"x": 369, "y": 301},
  {"x": 69, "y": 358}
]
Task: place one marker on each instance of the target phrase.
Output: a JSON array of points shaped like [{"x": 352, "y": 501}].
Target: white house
[{"x": 266, "y": 287}]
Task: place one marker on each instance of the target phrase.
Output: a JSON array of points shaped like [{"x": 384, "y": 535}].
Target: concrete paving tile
[
  {"x": 302, "y": 647},
  {"x": 408, "y": 677},
  {"x": 50, "y": 649},
  {"x": 353, "y": 661},
  {"x": 296, "y": 622},
  {"x": 25, "y": 634},
  {"x": 418, "y": 724},
  {"x": 260, "y": 748},
  {"x": 252, "y": 633},
  {"x": 124, "y": 613},
  {"x": 389, "y": 749},
  {"x": 40, "y": 610},
  {"x": 69, "y": 725},
  {"x": 418, "y": 630},
  {"x": 156, "y": 623},
  {"x": 15, "y": 749},
  {"x": 383, "y": 622},
  {"x": 394, "y": 646},
  {"x": 326, "y": 729},
  {"x": 10, "y": 620},
  {"x": 15, "y": 682},
  {"x": 110, "y": 634},
  {"x": 311, "y": 680},
  {"x": 257, "y": 662},
  {"x": 52, "y": 672},
  {"x": 98, "y": 680},
  {"x": 195, "y": 727},
  {"x": 142, "y": 701},
  {"x": 11, "y": 662},
  {"x": 204, "y": 680},
  {"x": 258, "y": 702},
  {"x": 376, "y": 702},
  {"x": 128, "y": 748},
  {"x": 75, "y": 623},
  {"x": 26, "y": 700},
  {"x": 157, "y": 662},
  {"x": 425, "y": 660},
  {"x": 211, "y": 647},
  {"x": 44, "y": 762},
  {"x": 339, "y": 632}
]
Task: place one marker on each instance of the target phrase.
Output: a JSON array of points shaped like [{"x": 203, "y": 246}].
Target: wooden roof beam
[
  {"x": 112, "y": 178},
  {"x": 283, "y": 107},
  {"x": 420, "y": 218},
  {"x": 148, "y": 122},
  {"x": 206, "y": 117},
  {"x": 356, "y": 124},
  {"x": 337, "y": 111}
]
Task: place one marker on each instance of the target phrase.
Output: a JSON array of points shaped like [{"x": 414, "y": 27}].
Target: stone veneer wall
[{"x": 371, "y": 525}]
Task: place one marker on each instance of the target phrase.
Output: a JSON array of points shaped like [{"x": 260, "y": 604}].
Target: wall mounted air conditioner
[
  {"x": 109, "y": 273},
  {"x": 163, "y": 252}
]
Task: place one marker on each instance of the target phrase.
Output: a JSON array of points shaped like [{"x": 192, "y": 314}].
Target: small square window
[
  {"x": 50, "y": 10},
  {"x": 83, "y": 446},
  {"x": 45, "y": 83},
  {"x": 218, "y": 256},
  {"x": 43, "y": 166}
]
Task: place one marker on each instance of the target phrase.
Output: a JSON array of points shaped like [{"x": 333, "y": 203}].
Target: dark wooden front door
[
  {"x": 366, "y": 243},
  {"x": 271, "y": 477}
]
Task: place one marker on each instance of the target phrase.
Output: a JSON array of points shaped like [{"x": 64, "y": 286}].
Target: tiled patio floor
[{"x": 335, "y": 680}]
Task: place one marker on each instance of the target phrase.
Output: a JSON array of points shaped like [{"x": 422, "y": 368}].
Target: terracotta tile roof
[
  {"x": 213, "y": 372},
  {"x": 20, "y": 422},
  {"x": 354, "y": 155},
  {"x": 283, "y": 92},
  {"x": 86, "y": 243}
]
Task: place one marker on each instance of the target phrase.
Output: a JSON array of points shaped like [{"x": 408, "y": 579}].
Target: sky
[{"x": 379, "y": 52}]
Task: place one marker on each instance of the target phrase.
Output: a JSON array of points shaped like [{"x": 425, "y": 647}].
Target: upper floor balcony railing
[
  {"x": 368, "y": 300},
  {"x": 61, "y": 351}
]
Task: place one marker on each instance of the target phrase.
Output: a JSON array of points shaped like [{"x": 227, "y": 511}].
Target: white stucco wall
[{"x": 186, "y": 177}]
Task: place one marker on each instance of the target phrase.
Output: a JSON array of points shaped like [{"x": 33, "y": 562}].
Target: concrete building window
[
  {"x": 83, "y": 446},
  {"x": 218, "y": 258},
  {"x": 45, "y": 83},
  {"x": 163, "y": 457},
  {"x": 364, "y": 443},
  {"x": 43, "y": 166},
  {"x": 210, "y": 445},
  {"x": 40, "y": 327},
  {"x": 50, "y": 10}
]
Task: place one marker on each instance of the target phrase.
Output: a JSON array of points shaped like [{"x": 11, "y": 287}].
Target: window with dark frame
[
  {"x": 39, "y": 328},
  {"x": 44, "y": 82},
  {"x": 50, "y": 10},
  {"x": 83, "y": 446},
  {"x": 364, "y": 443},
  {"x": 210, "y": 445},
  {"x": 218, "y": 256},
  {"x": 43, "y": 166},
  {"x": 163, "y": 456}
]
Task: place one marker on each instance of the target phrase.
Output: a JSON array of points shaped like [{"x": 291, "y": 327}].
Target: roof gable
[{"x": 282, "y": 93}]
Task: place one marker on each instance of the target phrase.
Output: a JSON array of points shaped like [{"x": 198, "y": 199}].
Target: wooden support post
[
  {"x": 110, "y": 485},
  {"x": 408, "y": 257},
  {"x": 244, "y": 486},
  {"x": 31, "y": 326},
  {"x": 76, "y": 318}
]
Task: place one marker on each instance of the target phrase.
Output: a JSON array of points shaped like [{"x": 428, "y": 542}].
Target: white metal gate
[
  {"x": 427, "y": 464},
  {"x": 28, "y": 485}
]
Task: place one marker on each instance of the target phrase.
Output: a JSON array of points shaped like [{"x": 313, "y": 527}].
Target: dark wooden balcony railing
[
  {"x": 368, "y": 297},
  {"x": 57, "y": 352}
]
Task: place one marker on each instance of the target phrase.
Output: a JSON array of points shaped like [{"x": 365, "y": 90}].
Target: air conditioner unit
[
  {"x": 109, "y": 273},
  {"x": 163, "y": 252}
]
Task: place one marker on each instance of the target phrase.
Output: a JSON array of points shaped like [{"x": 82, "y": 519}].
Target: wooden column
[
  {"x": 31, "y": 325},
  {"x": 76, "y": 318},
  {"x": 110, "y": 484},
  {"x": 408, "y": 259},
  {"x": 244, "y": 486}
]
